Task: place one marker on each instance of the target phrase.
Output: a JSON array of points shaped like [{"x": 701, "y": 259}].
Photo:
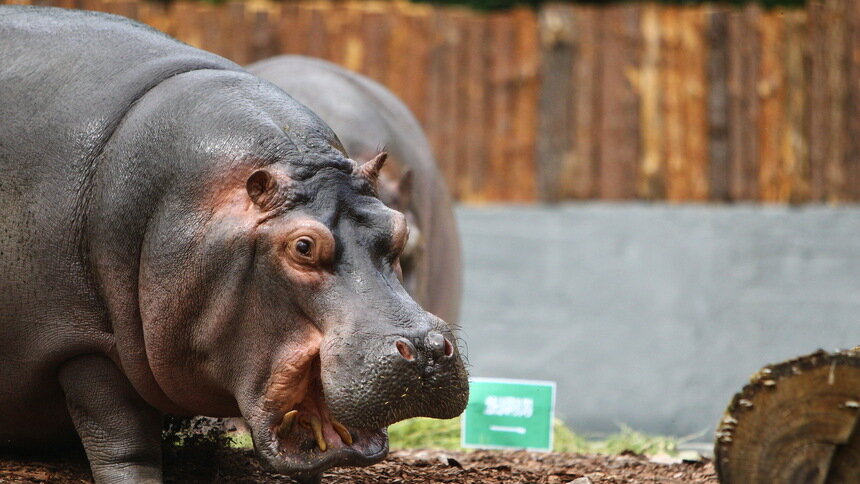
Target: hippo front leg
[{"x": 120, "y": 432}]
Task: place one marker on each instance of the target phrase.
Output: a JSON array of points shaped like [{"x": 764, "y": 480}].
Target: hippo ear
[
  {"x": 369, "y": 170},
  {"x": 261, "y": 188},
  {"x": 404, "y": 187}
]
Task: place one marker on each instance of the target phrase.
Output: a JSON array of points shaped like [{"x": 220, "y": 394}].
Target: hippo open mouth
[
  {"x": 309, "y": 439},
  {"x": 296, "y": 432}
]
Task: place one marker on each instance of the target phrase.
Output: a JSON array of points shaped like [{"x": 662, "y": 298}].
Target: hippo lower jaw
[
  {"x": 296, "y": 433},
  {"x": 307, "y": 440}
]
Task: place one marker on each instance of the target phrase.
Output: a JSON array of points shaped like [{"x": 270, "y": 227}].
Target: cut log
[{"x": 795, "y": 422}]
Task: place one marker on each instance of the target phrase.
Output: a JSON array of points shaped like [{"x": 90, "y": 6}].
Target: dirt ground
[{"x": 402, "y": 466}]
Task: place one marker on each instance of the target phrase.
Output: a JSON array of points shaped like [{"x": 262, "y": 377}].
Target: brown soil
[{"x": 401, "y": 467}]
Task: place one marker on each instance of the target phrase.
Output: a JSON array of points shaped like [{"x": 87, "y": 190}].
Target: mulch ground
[{"x": 402, "y": 466}]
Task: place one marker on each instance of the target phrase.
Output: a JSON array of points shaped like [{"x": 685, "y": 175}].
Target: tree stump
[{"x": 795, "y": 422}]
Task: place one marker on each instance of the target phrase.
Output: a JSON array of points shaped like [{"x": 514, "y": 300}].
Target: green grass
[
  {"x": 241, "y": 440},
  {"x": 445, "y": 434},
  {"x": 428, "y": 433}
]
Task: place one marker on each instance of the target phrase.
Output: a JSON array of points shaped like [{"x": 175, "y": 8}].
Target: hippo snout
[{"x": 416, "y": 375}]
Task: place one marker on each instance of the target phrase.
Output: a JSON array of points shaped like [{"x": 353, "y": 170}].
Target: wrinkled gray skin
[
  {"x": 366, "y": 116},
  {"x": 180, "y": 236}
]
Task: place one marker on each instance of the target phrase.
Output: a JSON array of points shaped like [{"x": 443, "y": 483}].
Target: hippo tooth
[
  {"x": 287, "y": 423},
  {"x": 343, "y": 432},
  {"x": 316, "y": 425}
]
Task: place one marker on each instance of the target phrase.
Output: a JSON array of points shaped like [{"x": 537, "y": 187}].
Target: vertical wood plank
[
  {"x": 744, "y": 53},
  {"x": 451, "y": 115},
  {"x": 672, "y": 86},
  {"x": 772, "y": 93},
  {"x": 212, "y": 34},
  {"x": 499, "y": 179},
  {"x": 818, "y": 100},
  {"x": 317, "y": 14},
  {"x": 376, "y": 30},
  {"x": 795, "y": 163},
  {"x": 718, "y": 100},
  {"x": 262, "y": 27},
  {"x": 852, "y": 102},
  {"x": 155, "y": 15},
  {"x": 446, "y": 94},
  {"x": 651, "y": 179},
  {"x": 580, "y": 173},
  {"x": 475, "y": 47},
  {"x": 525, "y": 107},
  {"x": 620, "y": 47},
  {"x": 185, "y": 26},
  {"x": 397, "y": 76},
  {"x": 343, "y": 34},
  {"x": 685, "y": 103},
  {"x": 694, "y": 101},
  {"x": 236, "y": 27},
  {"x": 417, "y": 58},
  {"x": 295, "y": 27},
  {"x": 469, "y": 181},
  {"x": 827, "y": 96},
  {"x": 556, "y": 124}
]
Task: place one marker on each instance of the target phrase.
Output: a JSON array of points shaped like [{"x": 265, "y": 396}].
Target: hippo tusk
[
  {"x": 287, "y": 423},
  {"x": 316, "y": 425},
  {"x": 343, "y": 432}
]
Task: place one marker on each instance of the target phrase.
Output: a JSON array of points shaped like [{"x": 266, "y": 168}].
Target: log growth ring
[{"x": 795, "y": 422}]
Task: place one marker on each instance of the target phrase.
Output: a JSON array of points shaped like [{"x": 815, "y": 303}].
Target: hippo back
[{"x": 368, "y": 118}]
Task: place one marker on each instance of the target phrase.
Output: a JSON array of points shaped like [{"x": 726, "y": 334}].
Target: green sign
[{"x": 504, "y": 414}]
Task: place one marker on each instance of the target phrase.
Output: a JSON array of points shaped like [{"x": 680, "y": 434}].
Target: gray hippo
[
  {"x": 366, "y": 116},
  {"x": 180, "y": 236}
]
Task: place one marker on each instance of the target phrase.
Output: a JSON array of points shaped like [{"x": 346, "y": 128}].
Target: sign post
[{"x": 508, "y": 414}]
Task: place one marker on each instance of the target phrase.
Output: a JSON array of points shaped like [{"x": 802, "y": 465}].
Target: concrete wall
[{"x": 654, "y": 316}]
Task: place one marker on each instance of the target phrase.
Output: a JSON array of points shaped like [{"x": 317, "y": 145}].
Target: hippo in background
[
  {"x": 180, "y": 236},
  {"x": 366, "y": 117}
]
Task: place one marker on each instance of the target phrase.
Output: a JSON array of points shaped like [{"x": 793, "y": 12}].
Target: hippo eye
[
  {"x": 305, "y": 246},
  {"x": 309, "y": 246}
]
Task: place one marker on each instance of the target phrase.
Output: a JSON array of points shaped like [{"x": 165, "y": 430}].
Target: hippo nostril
[
  {"x": 407, "y": 351},
  {"x": 449, "y": 348},
  {"x": 439, "y": 344}
]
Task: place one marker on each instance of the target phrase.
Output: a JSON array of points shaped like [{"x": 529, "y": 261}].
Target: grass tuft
[{"x": 445, "y": 434}]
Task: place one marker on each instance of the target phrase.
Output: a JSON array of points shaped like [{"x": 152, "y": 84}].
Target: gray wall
[{"x": 654, "y": 315}]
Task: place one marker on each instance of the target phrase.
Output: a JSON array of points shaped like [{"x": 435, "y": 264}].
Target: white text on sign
[{"x": 509, "y": 406}]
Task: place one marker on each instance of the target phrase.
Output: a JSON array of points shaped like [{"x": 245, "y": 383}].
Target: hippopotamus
[
  {"x": 182, "y": 237},
  {"x": 366, "y": 116}
]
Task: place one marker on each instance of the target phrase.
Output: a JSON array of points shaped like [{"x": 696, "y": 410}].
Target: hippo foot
[{"x": 121, "y": 435}]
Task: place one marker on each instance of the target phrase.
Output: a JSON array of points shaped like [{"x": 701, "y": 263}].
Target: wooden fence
[{"x": 617, "y": 102}]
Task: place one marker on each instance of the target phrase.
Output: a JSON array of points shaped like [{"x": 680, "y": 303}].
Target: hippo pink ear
[
  {"x": 262, "y": 188},
  {"x": 370, "y": 169}
]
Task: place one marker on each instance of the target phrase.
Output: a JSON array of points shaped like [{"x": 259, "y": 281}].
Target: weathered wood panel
[
  {"x": 826, "y": 95},
  {"x": 718, "y": 105},
  {"x": 475, "y": 134},
  {"x": 683, "y": 85},
  {"x": 652, "y": 169},
  {"x": 555, "y": 113},
  {"x": 794, "y": 166},
  {"x": 525, "y": 69},
  {"x": 501, "y": 41},
  {"x": 620, "y": 45},
  {"x": 852, "y": 102},
  {"x": 644, "y": 101},
  {"x": 744, "y": 59},
  {"x": 568, "y": 105}
]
